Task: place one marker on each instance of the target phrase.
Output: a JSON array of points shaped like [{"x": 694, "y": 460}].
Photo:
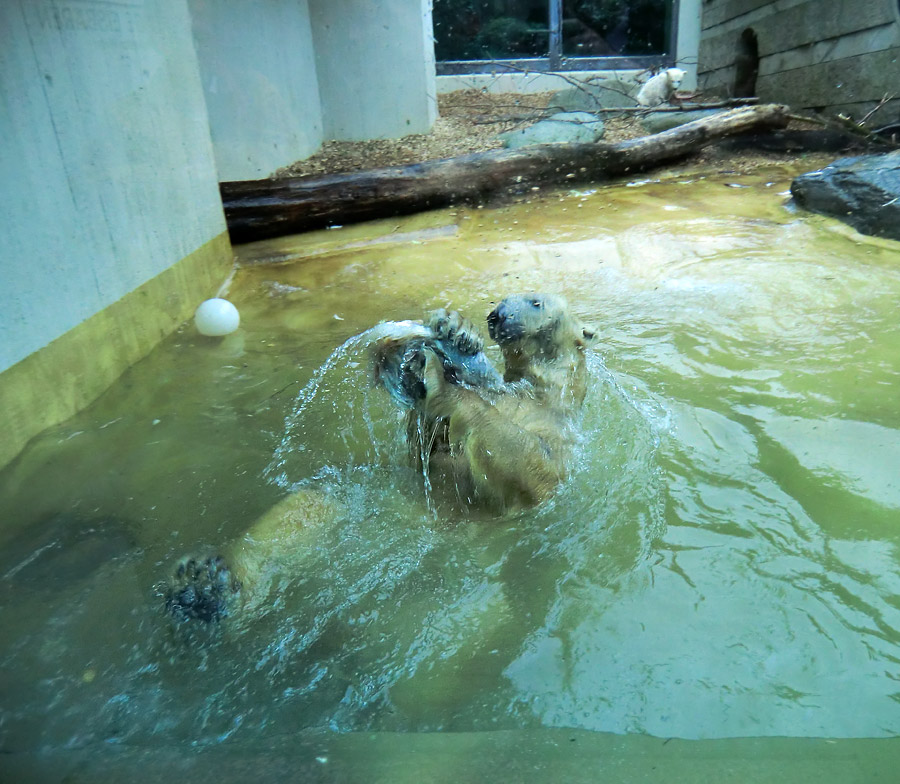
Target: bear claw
[
  {"x": 455, "y": 329},
  {"x": 201, "y": 589}
]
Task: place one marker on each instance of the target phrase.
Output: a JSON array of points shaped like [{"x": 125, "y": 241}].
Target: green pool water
[{"x": 721, "y": 565}]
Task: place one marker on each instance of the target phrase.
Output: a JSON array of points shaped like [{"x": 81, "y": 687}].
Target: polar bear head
[{"x": 532, "y": 326}]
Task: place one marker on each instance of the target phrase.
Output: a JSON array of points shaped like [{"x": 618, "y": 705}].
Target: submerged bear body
[
  {"x": 499, "y": 442},
  {"x": 502, "y": 446}
]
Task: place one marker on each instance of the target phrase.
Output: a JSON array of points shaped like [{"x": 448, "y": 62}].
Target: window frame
[{"x": 557, "y": 61}]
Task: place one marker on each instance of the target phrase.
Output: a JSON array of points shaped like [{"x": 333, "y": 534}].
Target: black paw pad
[{"x": 201, "y": 589}]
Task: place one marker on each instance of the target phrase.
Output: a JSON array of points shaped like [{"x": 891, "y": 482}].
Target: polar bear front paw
[{"x": 455, "y": 329}]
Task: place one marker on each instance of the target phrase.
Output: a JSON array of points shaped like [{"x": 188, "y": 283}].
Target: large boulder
[
  {"x": 607, "y": 94},
  {"x": 656, "y": 122},
  {"x": 862, "y": 191},
  {"x": 563, "y": 127}
]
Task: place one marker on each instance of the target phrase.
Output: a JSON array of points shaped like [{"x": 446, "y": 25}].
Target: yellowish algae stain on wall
[{"x": 62, "y": 378}]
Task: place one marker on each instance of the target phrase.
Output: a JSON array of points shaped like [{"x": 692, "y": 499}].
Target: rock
[
  {"x": 795, "y": 141},
  {"x": 608, "y": 94},
  {"x": 663, "y": 121},
  {"x": 560, "y": 128},
  {"x": 862, "y": 191}
]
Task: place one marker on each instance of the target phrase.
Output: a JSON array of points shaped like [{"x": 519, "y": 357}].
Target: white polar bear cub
[{"x": 660, "y": 88}]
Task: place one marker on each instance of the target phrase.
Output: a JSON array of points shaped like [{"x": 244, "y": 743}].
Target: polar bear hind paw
[{"x": 201, "y": 589}]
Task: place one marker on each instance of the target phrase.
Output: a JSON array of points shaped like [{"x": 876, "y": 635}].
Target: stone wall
[{"x": 827, "y": 55}]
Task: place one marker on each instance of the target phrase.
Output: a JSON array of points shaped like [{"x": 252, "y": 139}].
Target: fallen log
[{"x": 259, "y": 209}]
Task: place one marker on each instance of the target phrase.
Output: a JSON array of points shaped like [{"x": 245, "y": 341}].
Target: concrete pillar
[
  {"x": 375, "y": 63},
  {"x": 259, "y": 79},
  {"x": 688, "y": 41},
  {"x": 108, "y": 188}
]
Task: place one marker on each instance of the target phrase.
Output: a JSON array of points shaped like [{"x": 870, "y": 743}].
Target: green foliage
[
  {"x": 599, "y": 15},
  {"x": 475, "y": 30},
  {"x": 456, "y": 25},
  {"x": 631, "y": 27},
  {"x": 506, "y": 36}
]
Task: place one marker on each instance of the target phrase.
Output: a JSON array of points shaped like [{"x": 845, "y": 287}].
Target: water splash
[{"x": 341, "y": 391}]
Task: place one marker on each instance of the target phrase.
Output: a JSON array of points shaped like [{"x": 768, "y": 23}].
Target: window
[{"x": 470, "y": 35}]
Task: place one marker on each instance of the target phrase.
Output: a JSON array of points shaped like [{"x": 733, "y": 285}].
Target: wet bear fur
[
  {"x": 234, "y": 580},
  {"x": 504, "y": 447},
  {"x": 503, "y": 441}
]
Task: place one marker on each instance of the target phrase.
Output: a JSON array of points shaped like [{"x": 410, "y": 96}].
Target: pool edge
[{"x": 60, "y": 379}]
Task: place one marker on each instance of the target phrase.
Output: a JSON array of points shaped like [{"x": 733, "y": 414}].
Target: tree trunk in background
[{"x": 269, "y": 208}]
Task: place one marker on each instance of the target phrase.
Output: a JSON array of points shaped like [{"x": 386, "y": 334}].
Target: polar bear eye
[{"x": 536, "y": 303}]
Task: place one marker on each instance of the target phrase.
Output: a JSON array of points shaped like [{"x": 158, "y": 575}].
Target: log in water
[{"x": 259, "y": 209}]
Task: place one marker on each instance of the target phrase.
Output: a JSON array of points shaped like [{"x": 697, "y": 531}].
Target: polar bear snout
[
  {"x": 521, "y": 315},
  {"x": 503, "y": 327}
]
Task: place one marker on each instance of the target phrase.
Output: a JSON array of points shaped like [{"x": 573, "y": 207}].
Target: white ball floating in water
[{"x": 216, "y": 317}]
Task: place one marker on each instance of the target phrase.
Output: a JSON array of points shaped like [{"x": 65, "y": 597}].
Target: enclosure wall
[
  {"x": 500, "y": 80},
  {"x": 687, "y": 40},
  {"x": 108, "y": 181},
  {"x": 375, "y": 63},
  {"x": 260, "y": 84},
  {"x": 835, "y": 55}
]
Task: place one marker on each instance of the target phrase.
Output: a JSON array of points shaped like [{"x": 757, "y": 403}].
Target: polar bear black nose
[
  {"x": 497, "y": 326},
  {"x": 504, "y": 325}
]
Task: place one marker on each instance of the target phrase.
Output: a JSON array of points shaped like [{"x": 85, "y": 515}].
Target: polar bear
[
  {"x": 503, "y": 446},
  {"x": 503, "y": 441},
  {"x": 659, "y": 89}
]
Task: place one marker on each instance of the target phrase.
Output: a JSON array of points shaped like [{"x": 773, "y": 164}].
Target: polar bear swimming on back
[
  {"x": 503, "y": 442},
  {"x": 501, "y": 446}
]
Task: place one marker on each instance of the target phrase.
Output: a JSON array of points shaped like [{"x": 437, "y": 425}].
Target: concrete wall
[
  {"x": 687, "y": 44},
  {"x": 525, "y": 82},
  {"x": 106, "y": 163},
  {"x": 259, "y": 78},
  {"x": 375, "y": 65},
  {"x": 113, "y": 225},
  {"x": 107, "y": 183},
  {"x": 833, "y": 55},
  {"x": 282, "y": 75}
]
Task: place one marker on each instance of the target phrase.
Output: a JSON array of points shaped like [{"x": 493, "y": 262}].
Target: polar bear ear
[{"x": 588, "y": 335}]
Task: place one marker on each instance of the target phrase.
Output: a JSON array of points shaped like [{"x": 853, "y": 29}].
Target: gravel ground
[{"x": 469, "y": 121}]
